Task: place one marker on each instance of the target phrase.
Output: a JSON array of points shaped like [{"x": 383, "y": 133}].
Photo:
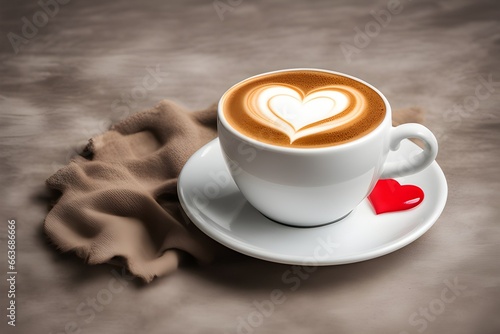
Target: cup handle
[{"x": 415, "y": 163}]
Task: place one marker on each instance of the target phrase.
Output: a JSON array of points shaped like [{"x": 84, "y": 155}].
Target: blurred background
[{"x": 69, "y": 69}]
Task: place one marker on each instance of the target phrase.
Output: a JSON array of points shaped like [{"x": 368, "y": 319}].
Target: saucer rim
[{"x": 217, "y": 233}]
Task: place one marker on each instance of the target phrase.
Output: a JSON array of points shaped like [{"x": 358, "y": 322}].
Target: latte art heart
[
  {"x": 288, "y": 105},
  {"x": 303, "y": 108},
  {"x": 297, "y": 115}
]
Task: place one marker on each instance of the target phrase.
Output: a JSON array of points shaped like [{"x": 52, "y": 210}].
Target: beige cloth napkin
[{"x": 119, "y": 198}]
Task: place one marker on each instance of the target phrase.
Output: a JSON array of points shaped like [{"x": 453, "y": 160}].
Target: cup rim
[{"x": 222, "y": 119}]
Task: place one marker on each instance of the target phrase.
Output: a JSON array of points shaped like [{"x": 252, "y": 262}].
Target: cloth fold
[{"x": 119, "y": 199}]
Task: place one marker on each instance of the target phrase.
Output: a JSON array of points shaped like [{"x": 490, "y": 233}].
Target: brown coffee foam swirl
[
  {"x": 341, "y": 104},
  {"x": 364, "y": 112}
]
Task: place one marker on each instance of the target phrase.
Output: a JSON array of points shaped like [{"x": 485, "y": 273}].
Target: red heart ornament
[{"x": 389, "y": 196}]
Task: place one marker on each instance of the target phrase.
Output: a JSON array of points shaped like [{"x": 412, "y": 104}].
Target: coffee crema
[{"x": 303, "y": 108}]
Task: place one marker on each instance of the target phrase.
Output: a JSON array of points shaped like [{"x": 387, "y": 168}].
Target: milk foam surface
[{"x": 303, "y": 108}]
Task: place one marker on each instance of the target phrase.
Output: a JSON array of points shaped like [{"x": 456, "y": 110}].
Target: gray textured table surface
[{"x": 84, "y": 68}]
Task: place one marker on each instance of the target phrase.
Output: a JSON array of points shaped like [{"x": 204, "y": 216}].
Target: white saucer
[{"x": 216, "y": 206}]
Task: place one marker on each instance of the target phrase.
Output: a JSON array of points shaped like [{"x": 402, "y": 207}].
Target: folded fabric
[{"x": 119, "y": 201}]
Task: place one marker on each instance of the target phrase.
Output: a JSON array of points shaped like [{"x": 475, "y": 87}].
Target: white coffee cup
[{"x": 308, "y": 187}]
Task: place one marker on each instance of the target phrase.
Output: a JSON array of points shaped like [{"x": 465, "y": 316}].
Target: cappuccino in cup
[
  {"x": 306, "y": 146},
  {"x": 305, "y": 109}
]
